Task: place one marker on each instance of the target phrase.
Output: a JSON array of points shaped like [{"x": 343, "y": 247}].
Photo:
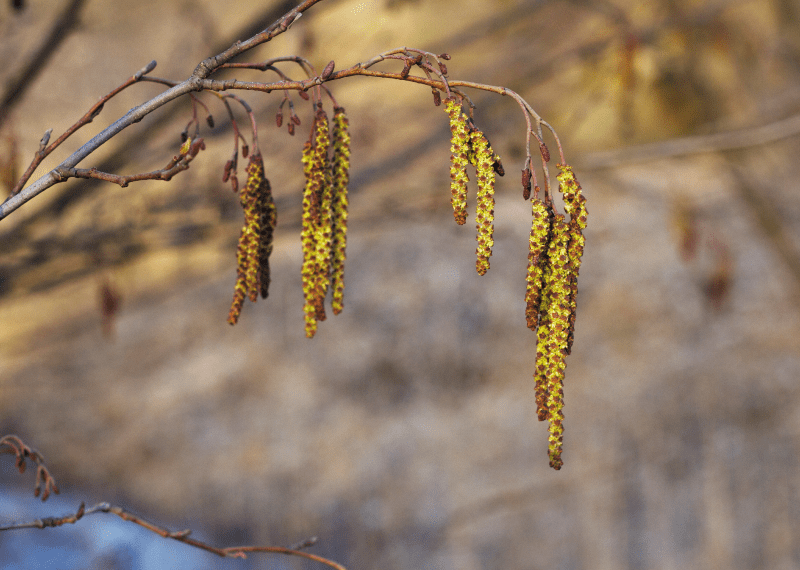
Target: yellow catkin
[
  {"x": 340, "y": 169},
  {"x": 537, "y": 260},
  {"x": 558, "y": 311},
  {"x": 575, "y": 205},
  {"x": 323, "y": 228},
  {"x": 484, "y": 218},
  {"x": 459, "y": 148},
  {"x": 247, "y": 253},
  {"x": 307, "y": 240}
]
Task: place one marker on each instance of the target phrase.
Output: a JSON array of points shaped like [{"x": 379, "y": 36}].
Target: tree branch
[{"x": 180, "y": 535}]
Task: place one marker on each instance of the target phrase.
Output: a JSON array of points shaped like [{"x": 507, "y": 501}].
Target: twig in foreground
[
  {"x": 180, "y": 535},
  {"x": 45, "y": 484}
]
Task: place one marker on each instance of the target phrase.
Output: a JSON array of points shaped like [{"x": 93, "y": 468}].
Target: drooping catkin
[
  {"x": 575, "y": 205},
  {"x": 255, "y": 239},
  {"x": 269, "y": 219},
  {"x": 483, "y": 160},
  {"x": 541, "y": 227},
  {"x": 340, "y": 168},
  {"x": 459, "y": 149}
]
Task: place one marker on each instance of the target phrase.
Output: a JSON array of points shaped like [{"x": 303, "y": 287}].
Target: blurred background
[{"x": 404, "y": 435}]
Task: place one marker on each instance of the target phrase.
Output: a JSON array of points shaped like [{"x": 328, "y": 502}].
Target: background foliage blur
[{"x": 404, "y": 434}]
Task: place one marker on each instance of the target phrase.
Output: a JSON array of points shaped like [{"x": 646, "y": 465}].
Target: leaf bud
[{"x": 326, "y": 73}]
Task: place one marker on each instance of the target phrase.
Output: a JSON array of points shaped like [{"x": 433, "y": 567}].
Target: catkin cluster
[
  {"x": 468, "y": 145},
  {"x": 326, "y": 166},
  {"x": 554, "y": 258},
  {"x": 255, "y": 240}
]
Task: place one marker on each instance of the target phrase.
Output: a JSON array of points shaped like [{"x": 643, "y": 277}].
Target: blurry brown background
[{"x": 404, "y": 435}]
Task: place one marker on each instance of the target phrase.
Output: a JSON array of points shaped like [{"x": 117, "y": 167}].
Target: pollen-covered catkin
[
  {"x": 537, "y": 260},
  {"x": 340, "y": 169},
  {"x": 484, "y": 218},
  {"x": 307, "y": 238},
  {"x": 459, "y": 148},
  {"x": 575, "y": 205},
  {"x": 248, "y": 250},
  {"x": 554, "y": 347},
  {"x": 323, "y": 230}
]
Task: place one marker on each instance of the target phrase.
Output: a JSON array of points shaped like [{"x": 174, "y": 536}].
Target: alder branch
[
  {"x": 200, "y": 81},
  {"x": 180, "y": 535},
  {"x": 193, "y": 83}
]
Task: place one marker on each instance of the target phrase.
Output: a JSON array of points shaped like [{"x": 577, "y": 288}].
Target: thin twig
[
  {"x": 180, "y": 535},
  {"x": 45, "y": 484}
]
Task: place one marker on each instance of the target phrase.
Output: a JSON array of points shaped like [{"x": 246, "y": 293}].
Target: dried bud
[
  {"x": 437, "y": 98},
  {"x": 210, "y": 122},
  {"x": 96, "y": 111},
  {"x": 526, "y": 184},
  {"x": 303, "y": 95},
  {"x": 290, "y": 126},
  {"x": 443, "y": 68},
  {"x": 296, "y": 119},
  {"x": 245, "y": 150},
  {"x": 226, "y": 173},
  {"x": 445, "y": 56},
  {"x": 279, "y": 118},
  {"x": 406, "y": 70},
  {"x": 326, "y": 73},
  {"x": 544, "y": 151}
]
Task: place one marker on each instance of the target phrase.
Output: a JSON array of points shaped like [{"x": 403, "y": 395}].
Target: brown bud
[
  {"x": 210, "y": 122},
  {"x": 290, "y": 126},
  {"x": 406, "y": 70},
  {"x": 303, "y": 95},
  {"x": 245, "y": 150},
  {"x": 96, "y": 111},
  {"x": 296, "y": 120},
  {"x": 279, "y": 118},
  {"x": 326, "y": 73},
  {"x": 437, "y": 98},
  {"x": 226, "y": 173},
  {"x": 184, "y": 135},
  {"x": 526, "y": 184},
  {"x": 443, "y": 68},
  {"x": 445, "y": 56},
  {"x": 544, "y": 151}
]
